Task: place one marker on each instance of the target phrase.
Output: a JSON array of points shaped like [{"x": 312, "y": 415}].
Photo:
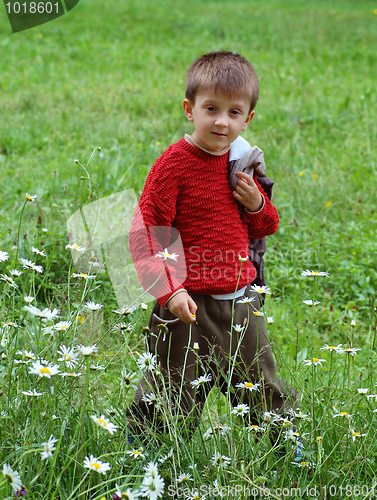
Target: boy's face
[{"x": 218, "y": 119}]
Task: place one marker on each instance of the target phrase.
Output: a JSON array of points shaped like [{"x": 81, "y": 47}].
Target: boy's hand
[
  {"x": 182, "y": 306},
  {"x": 248, "y": 193}
]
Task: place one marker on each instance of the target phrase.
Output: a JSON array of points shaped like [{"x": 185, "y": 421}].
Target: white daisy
[
  {"x": 93, "y": 463},
  {"x": 292, "y": 435},
  {"x": 130, "y": 379},
  {"x": 71, "y": 374},
  {"x": 94, "y": 261},
  {"x": 342, "y": 414},
  {"x": 260, "y": 289},
  {"x": 87, "y": 350},
  {"x": 38, "y": 252},
  {"x": 166, "y": 255},
  {"x": 9, "y": 280},
  {"x": 314, "y": 361},
  {"x": 30, "y": 197},
  {"x": 135, "y": 454},
  {"x": 126, "y": 495},
  {"x": 93, "y": 306},
  {"x": 240, "y": 409},
  {"x": 362, "y": 391},
  {"x": 238, "y": 328},
  {"x": 103, "y": 422},
  {"x": 332, "y": 348},
  {"x": 48, "y": 448},
  {"x": 243, "y": 259},
  {"x": 184, "y": 478},
  {"x": 351, "y": 350},
  {"x": 59, "y": 327},
  {"x": 258, "y": 313},
  {"x": 372, "y": 396},
  {"x": 28, "y": 264},
  {"x": 13, "y": 477},
  {"x": 249, "y": 386},
  {"x": 255, "y": 428},
  {"x": 28, "y": 299},
  {"x": 69, "y": 356},
  {"x": 147, "y": 361},
  {"x": 314, "y": 273},
  {"x": 76, "y": 247},
  {"x": 83, "y": 275},
  {"x": 44, "y": 314},
  {"x": 15, "y": 272},
  {"x": 152, "y": 485},
  {"x": 311, "y": 303},
  {"x": 270, "y": 319},
  {"x": 201, "y": 380},
  {"x": 354, "y": 434},
  {"x": 221, "y": 461},
  {"x": 246, "y": 300},
  {"x": 125, "y": 311},
  {"x": 42, "y": 370},
  {"x": 33, "y": 393},
  {"x": 3, "y": 256}
]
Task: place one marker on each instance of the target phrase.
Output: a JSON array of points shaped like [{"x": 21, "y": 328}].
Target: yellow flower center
[
  {"x": 9, "y": 478},
  {"x": 136, "y": 452},
  {"x": 28, "y": 197},
  {"x": 331, "y": 347},
  {"x": 249, "y": 384},
  {"x": 304, "y": 463},
  {"x": 315, "y": 360},
  {"x": 45, "y": 370},
  {"x": 356, "y": 434},
  {"x": 101, "y": 422},
  {"x": 343, "y": 413},
  {"x": 96, "y": 465}
]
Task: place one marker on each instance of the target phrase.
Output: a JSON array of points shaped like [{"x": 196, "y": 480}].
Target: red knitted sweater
[{"x": 187, "y": 206}]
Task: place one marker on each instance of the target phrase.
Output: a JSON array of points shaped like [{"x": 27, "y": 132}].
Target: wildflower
[
  {"x": 97, "y": 367},
  {"x": 9, "y": 280},
  {"x": 298, "y": 414},
  {"x": 125, "y": 311},
  {"x": 130, "y": 379},
  {"x": 135, "y": 454},
  {"x": 147, "y": 361},
  {"x": 201, "y": 380},
  {"x": 28, "y": 299},
  {"x": 126, "y": 495},
  {"x": 314, "y": 361},
  {"x": 270, "y": 320},
  {"x": 285, "y": 422},
  {"x": 240, "y": 409},
  {"x": 166, "y": 255},
  {"x": 302, "y": 464},
  {"x": 48, "y": 448},
  {"x": 342, "y": 414},
  {"x": 184, "y": 478},
  {"x": 15, "y": 272},
  {"x": 87, "y": 350},
  {"x": 30, "y": 197},
  {"x": 196, "y": 346},
  {"x": 238, "y": 328},
  {"x": 165, "y": 457},
  {"x": 8, "y": 324},
  {"x": 21, "y": 493},
  {"x": 351, "y": 350},
  {"x": 93, "y": 306},
  {"x": 355, "y": 435},
  {"x": 152, "y": 485},
  {"x": 104, "y": 423},
  {"x": 38, "y": 368},
  {"x": 222, "y": 461},
  {"x": 260, "y": 289},
  {"x": 68, "y": 355},
  {"x": 246, "y": 300},
  {"x": 94, "y": 261},
  {"x": 243, "y": 259},
  {"x": 38, "y": 252},
  {"x": 255, "y": 428},
  {"x": 319, "y": 439},
  {"x": 249, "y": 385},
  {"x": 353, "y": 322},
  {"x": 33, "y": 393},
  {"x": 270, "y": 417},
  {"x": 221, "y": 429},
  {"x": 28, "y": 264},
  {"x": 3, "y": 256},
  {"x": 95, "y": 464},
  {"x": 332, "y": 348},
  {"x": 372, "y": 396},
  {"x": 61, "y": 326},
  {"x": 83, "y": 275},
  {"x": 258, "y": 313},
  {"x": 144, "y": 306},
  {"x": 196, "y": 496},
  {"x": 13, "y": 477},
  {"x": 76, "y": 247},
  {"x": 311, "y": 303},
  {"x": 314, "y": 273},
  {"x": 362, "y": 391},
  {"x": 292, "y": 435},
  {"x": 45, "y": 314},
  {"x": 71, "y": 374},
  {"x": 150, "y": 399}
]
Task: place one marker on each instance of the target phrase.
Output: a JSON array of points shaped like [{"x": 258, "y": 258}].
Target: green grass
[{"x": 112, "y": 74}]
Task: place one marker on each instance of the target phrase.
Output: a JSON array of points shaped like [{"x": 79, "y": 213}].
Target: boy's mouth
[{"x": 218, "y": 134}]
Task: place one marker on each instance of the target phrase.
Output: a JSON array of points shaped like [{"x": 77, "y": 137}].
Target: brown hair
[{"x": 223, "y": 72}]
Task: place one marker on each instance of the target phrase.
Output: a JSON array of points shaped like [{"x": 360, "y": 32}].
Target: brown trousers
[{"x": 231, "y": 355}]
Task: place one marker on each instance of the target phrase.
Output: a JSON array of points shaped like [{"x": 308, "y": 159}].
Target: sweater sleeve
[
  {"x": 266, "y": 221},
  {"x": 155, "y": 245}
]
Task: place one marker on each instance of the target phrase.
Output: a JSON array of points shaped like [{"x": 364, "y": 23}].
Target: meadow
[{"x": 88, "y": 102}]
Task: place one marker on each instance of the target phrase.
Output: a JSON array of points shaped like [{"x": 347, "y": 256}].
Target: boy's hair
[{"x": 223, "y": 72}]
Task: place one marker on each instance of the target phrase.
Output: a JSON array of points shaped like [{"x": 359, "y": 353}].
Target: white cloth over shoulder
[{"x": 244, "y": 158}]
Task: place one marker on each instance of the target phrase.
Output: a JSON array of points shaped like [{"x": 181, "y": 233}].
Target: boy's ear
[
  {"x": 187, "y": 108},
  {"x": 248, "y": 119}
]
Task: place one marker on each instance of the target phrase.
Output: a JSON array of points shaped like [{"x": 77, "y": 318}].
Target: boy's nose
[{"x": 221, "y": 121}]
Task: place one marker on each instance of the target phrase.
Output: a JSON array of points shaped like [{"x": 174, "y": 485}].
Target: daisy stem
[{"x": 18, "y": 232}]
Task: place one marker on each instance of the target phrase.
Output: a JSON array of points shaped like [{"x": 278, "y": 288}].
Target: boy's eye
[
  {"x": 234, "y": 112},
  {"x": 211, "y": 108}
]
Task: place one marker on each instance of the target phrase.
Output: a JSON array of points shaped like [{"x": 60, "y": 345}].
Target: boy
[{"x": 204, "y": 300}]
